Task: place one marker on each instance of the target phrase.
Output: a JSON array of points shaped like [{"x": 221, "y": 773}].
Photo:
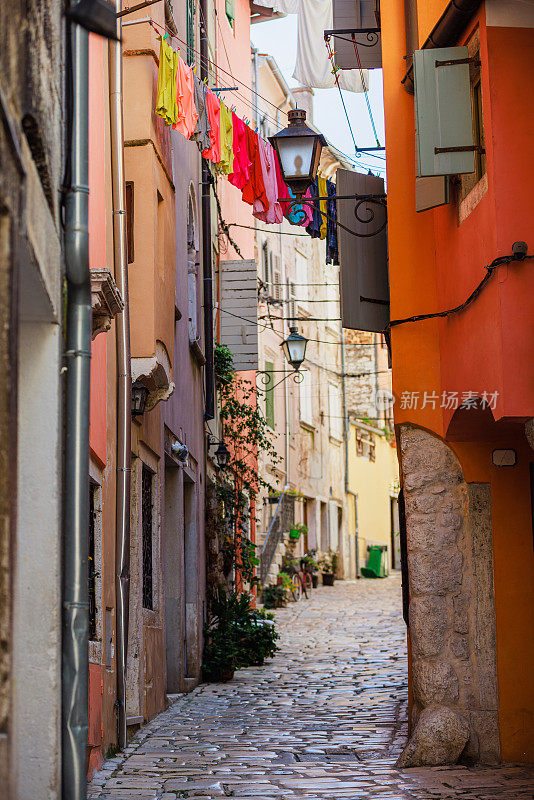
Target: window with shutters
[
  {"x": 146, "y": 523},
  {"x": 306, "y": 398},
  {"x": 269, "y": 394},
  {"x": 192, "y": 273},
  {"x": 470, "y": 180},
  {"x": 365, "y": 444},
  {"x": 190, "y": 31},
  {"x": 335, "y": 412}
]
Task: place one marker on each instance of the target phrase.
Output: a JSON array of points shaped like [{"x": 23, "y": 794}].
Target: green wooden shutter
[
  {"x": 269, "y": 394},
  {"x": 443, "y": 116},
  {"x": 230, "y": 11}
]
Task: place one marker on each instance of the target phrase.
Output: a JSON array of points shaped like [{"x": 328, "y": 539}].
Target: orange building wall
[{"x": 435, "y": 263}]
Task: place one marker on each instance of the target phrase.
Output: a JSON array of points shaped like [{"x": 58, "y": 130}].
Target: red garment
[
  {"x": 255, "y": 188},
  {"x": 240, "y": 175},
  {"x": 213, "y": 105}
]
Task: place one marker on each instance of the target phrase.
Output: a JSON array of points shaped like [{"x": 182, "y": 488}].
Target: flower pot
[
  {"x": 227, "y": 674},
  {"x": 315, "y": 581},
  {"x": 294, "y": 533},
  {"x": 328, "y": 578}
]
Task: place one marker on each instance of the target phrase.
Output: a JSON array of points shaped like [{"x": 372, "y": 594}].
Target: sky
[{"x": 278, "y": 38}]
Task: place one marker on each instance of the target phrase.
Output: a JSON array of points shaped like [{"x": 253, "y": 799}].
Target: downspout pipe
[
  {"x": 124, "y": 381},
  {"x": 207, "y": 266},
  {"x": 346, "y": 440},
  {"x": 75, "y": 611},
  {"x": 446, "y": 32}
]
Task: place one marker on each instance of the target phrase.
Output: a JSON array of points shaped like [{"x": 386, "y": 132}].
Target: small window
[
  {"x": 146, "y": 522},
  {"x": 130, "y": 221},
  {"x": 269, "y": 394},
  {"x": 365, "y": 444}
]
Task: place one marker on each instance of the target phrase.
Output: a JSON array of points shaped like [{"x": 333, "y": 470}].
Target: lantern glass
[
  {"x": 296, "y": 157},
  {"x": 294, "y": 348},
  {"x": 222, "y": 454},
  {"x": 139, "y": 398}
]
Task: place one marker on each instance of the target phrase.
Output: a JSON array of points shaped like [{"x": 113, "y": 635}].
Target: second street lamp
[
  {"x": 294, "y": 348},
  {"x": 299, "y": 150}
]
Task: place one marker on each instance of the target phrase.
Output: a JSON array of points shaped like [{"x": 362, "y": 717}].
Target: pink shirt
[
  {"x": 242, "y": 162},
  {"x": 185, "y": 96},
  {"x": 213, "y": 153},
  {"x": 273, "y": 212}
]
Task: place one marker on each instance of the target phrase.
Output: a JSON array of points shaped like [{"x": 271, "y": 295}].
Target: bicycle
[{"x": 301, "y": 581}]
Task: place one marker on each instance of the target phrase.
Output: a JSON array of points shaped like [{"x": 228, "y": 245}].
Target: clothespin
[
  {"x": 195, "y": 70},
  {"x": 166, "y": 36}
]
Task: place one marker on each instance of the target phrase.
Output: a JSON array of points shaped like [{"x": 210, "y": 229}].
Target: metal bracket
[
  {"x": 467, "y": 148},
  {"x": 350, "y": 31},
  {"x": 452, "y": 61}
]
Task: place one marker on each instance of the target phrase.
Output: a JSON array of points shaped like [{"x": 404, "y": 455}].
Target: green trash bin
[{"x": 376, "y": 562}]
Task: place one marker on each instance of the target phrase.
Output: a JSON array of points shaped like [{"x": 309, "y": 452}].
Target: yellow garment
[
  {"x": 323, "y": 192},
  {"x": 166, "y": 102},
  {"x": 226, "y": 164}
]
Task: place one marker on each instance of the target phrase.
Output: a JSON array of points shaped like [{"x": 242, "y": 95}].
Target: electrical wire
[
  {"x": 490, "y": 269},
  {"x": 365, "y": 93}
]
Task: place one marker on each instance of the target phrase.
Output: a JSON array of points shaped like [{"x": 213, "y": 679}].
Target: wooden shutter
[
  {"x": 306, "y": 398},
  {"x": 239, "y": 311},
  {"x": 269, "y": 394},
  {"x": 443, "y": 117},
  {"x": 364, "y": 288},
  {"x": 431, "y": 192},
  {"x": 351, "y": 14}
]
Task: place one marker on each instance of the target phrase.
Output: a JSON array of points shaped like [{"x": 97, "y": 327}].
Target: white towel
[{"x": 313, "y": 67}]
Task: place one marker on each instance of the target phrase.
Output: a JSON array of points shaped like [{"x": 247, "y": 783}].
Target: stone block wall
[{"x": 452, "y": 615}]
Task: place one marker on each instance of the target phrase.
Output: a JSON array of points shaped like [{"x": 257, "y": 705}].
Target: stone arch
[{"x": 452, "y": 615}]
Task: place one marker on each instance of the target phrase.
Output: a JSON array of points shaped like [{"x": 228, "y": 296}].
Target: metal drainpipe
[
  {"x": 75, "y": 619},
  {"x": 124, "y": 381},
  {"x": 255, "y": 110},
  {"x": 346, "y": 435},
  {"x": 207, "y": 266}
]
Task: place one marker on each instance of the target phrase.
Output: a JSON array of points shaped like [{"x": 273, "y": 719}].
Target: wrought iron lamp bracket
[
  {"x": 264, "y": 378},
  {"x": 379, "y": 200}
]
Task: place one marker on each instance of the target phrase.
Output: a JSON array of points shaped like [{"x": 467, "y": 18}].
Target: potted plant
[
  {"x": 273, "y": 596},
  {"x": 328, "y": 564},
  {"x": 297, "y": 531}
]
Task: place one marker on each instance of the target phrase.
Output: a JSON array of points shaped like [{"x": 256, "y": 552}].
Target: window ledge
[
  {"x": 471, "y": 201},
  {"x": 197, "y": 352},
  {"x": 335, "y": 440},
  {"x": 308, "y": 426}
]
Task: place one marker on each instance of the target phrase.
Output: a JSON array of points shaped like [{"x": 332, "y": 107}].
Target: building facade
[{"x": 463, "y": 381}]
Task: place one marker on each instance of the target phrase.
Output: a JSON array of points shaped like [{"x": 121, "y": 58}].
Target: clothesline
[{"x": 237, "y": 151}]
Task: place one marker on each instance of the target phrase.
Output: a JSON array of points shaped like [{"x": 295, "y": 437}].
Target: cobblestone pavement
[{"x": 325, "y": 719}]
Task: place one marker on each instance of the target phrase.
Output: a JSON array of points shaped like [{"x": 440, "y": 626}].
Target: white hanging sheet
[{"x": 313, "y": 67}]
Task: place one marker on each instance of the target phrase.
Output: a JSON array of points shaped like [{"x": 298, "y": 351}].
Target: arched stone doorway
[{"x": 451, "y": 610}]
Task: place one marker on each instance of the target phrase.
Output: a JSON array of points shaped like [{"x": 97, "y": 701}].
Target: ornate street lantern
[
  {"x": 294, "y": 348},
  {"x": 222, "y": 454},
  {"x": 139, "y": 398},
  {"x": 299, "y": 150}
]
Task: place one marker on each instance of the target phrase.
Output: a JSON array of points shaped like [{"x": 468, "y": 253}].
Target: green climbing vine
[{"x": 246, "y": 434}]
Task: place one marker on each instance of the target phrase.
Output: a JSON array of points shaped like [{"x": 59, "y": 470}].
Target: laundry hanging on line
[
  {"x": 312, "y": 66},
  {"x": 235, "y": 149}
]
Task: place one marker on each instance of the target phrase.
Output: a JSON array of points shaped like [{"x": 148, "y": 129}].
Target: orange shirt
[{"x": 185, "y": 95}]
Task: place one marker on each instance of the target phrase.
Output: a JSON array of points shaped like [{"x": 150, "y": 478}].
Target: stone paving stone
[{"x": 324, "y": 720}]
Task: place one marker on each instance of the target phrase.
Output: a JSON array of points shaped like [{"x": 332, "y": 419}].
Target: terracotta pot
[
  {"x": 328, "y": 578},
  {"x": 315, "y": 581},
  {"x": 227, "y": 674}
]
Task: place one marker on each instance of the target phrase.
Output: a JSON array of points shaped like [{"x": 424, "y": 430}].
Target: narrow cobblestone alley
[{"x": 325, "y": 719}]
